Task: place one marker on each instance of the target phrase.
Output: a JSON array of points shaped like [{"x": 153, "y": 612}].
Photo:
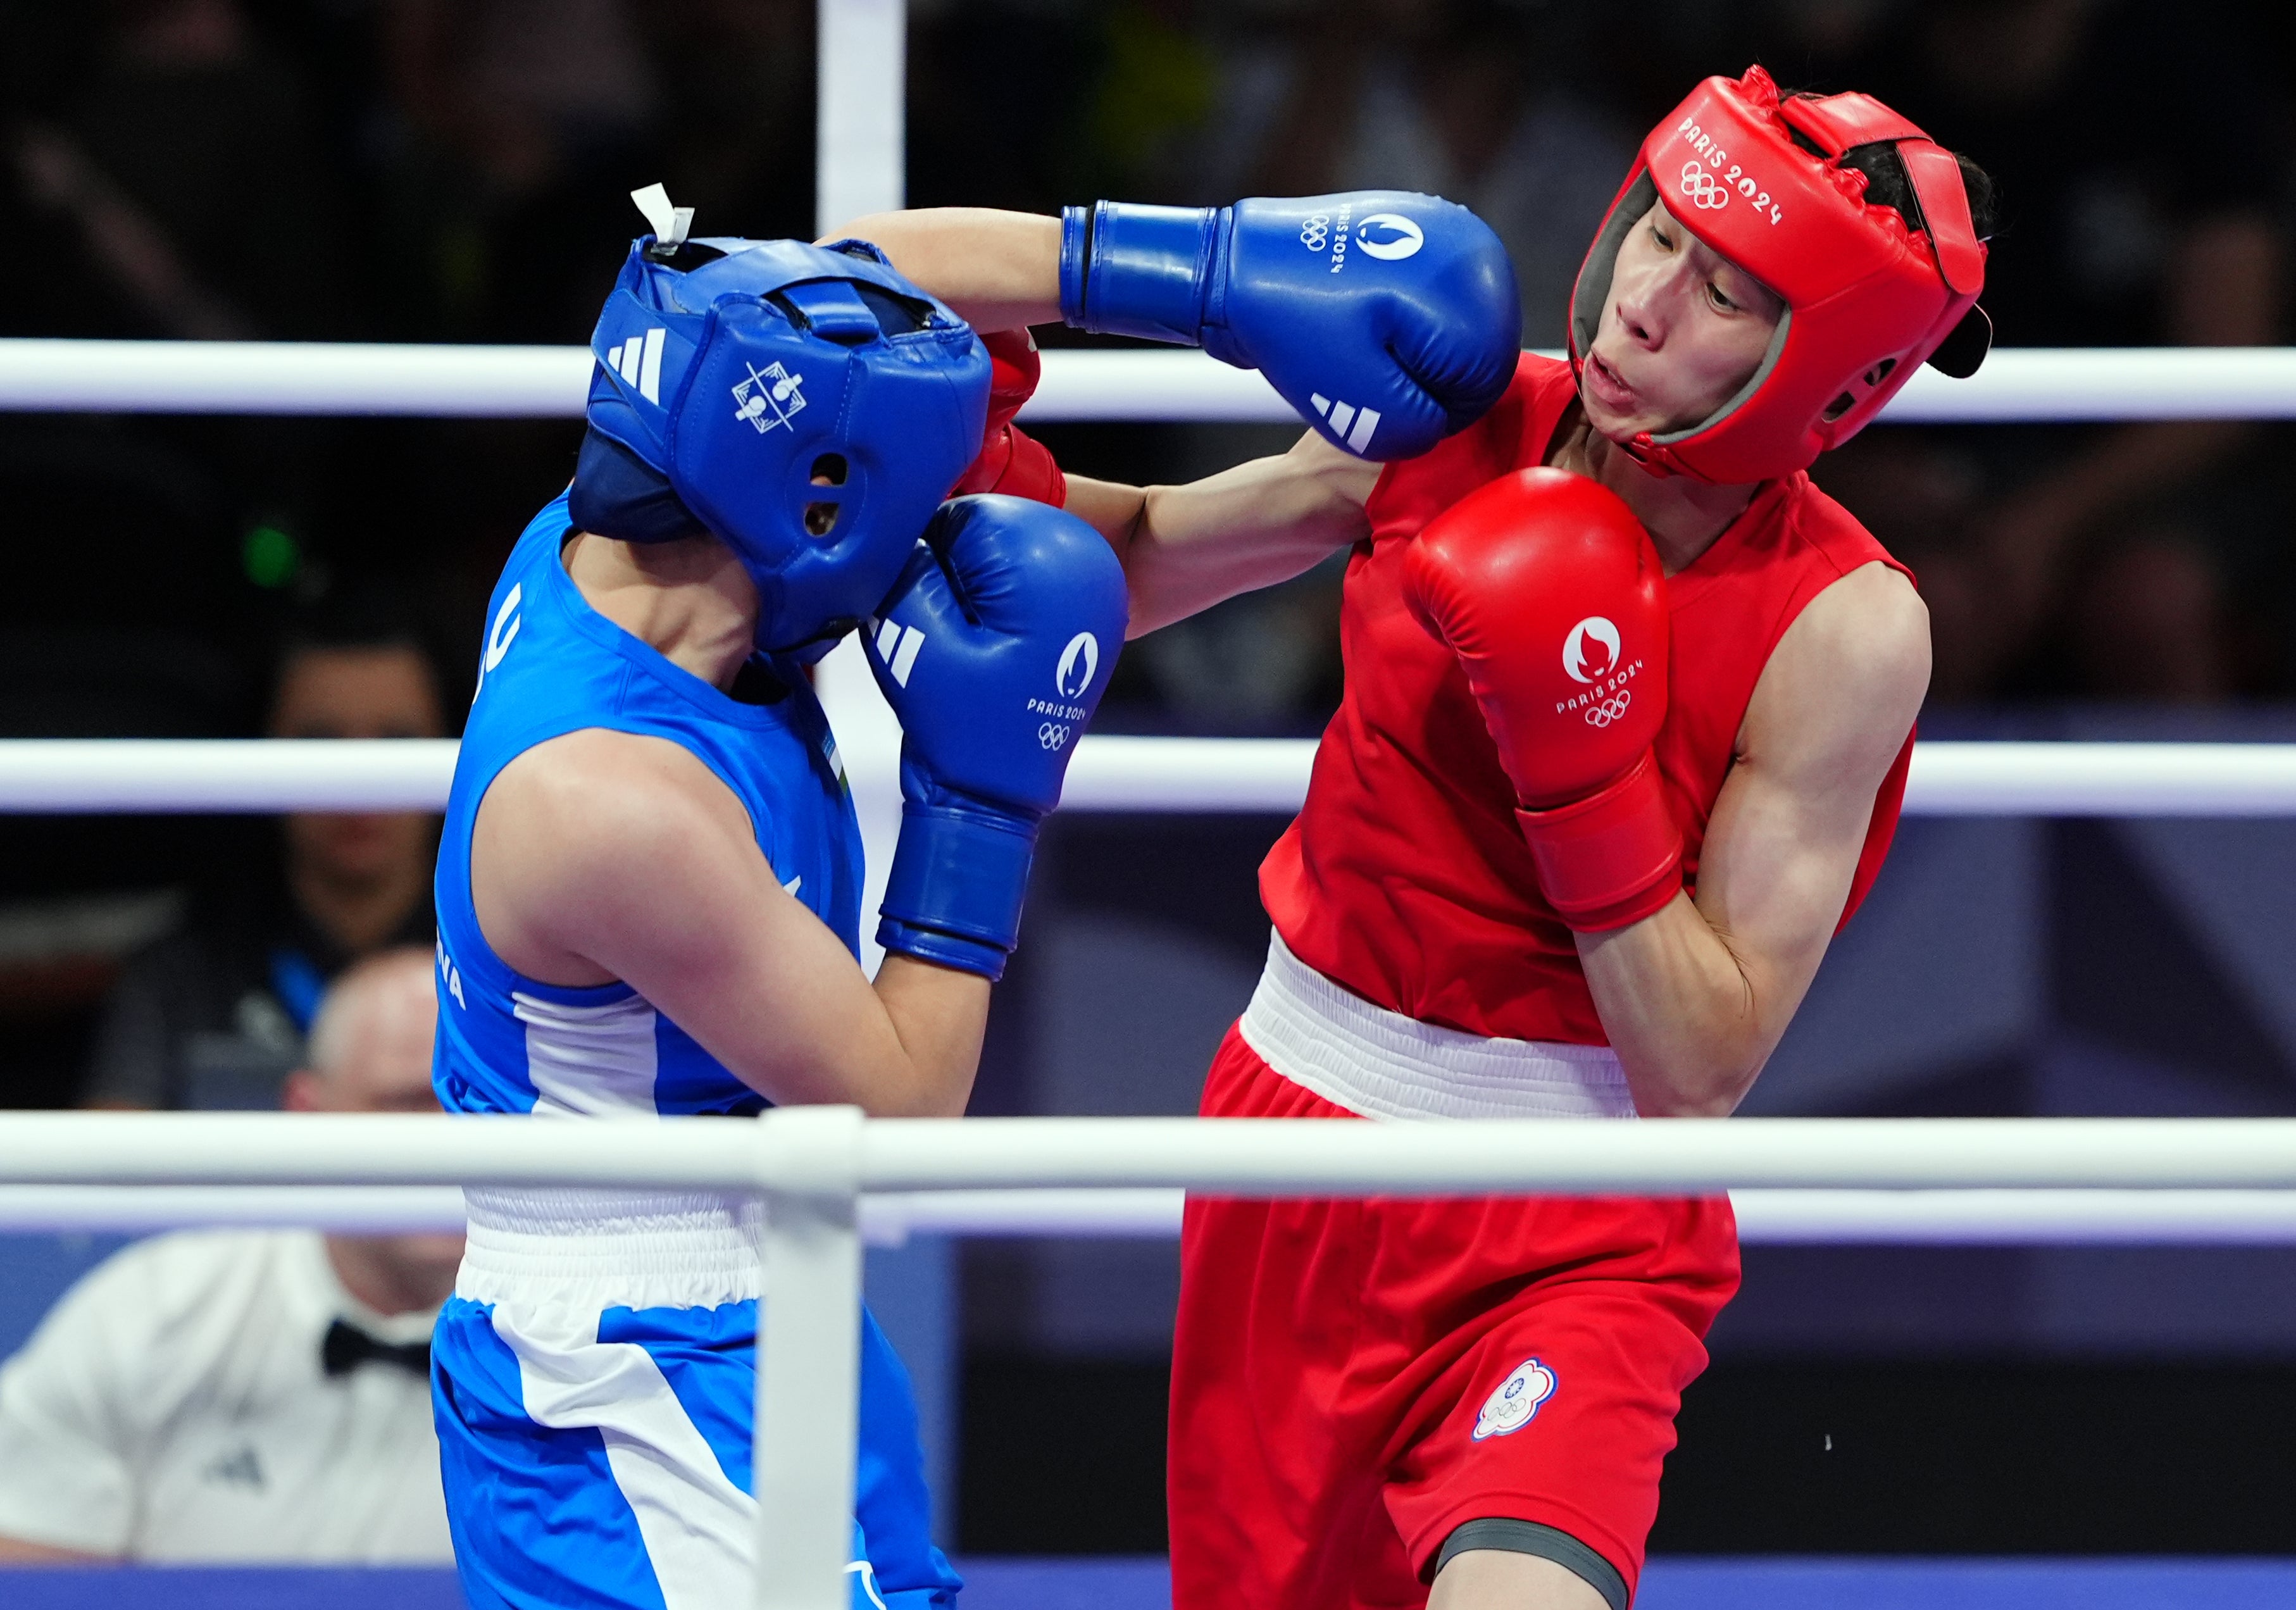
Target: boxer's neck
[
  {"x": 1684, "y": 517},
  {"x": 690, "y": 600}
]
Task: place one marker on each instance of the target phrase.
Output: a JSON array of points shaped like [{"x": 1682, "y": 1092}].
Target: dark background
[{"x": 457, "y": 170}]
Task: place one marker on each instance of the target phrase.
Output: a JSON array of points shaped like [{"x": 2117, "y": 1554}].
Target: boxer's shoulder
[
  {"x": 577, "y": 817},
  {"x": 1860, "y": 616},
  {"x": 609, "y": 789},
  {"x": 1513, "y": 435},
  {"x": 1815, "y": 521},
  {"x": 1846, "y": 680}
]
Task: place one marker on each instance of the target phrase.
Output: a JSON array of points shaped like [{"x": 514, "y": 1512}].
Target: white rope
[
  {"x": 811, "y": 1164},
  {"x": 350, "y": 1209},
  {"x": 860, "y": 64},
  {"x": 293, "y": 377},
  {"x": 2102, "y": 779},
  {"x": 1114, "y": 773},
  {"x": 1981, "y": 1218},
  {"x": 1984, "y": 1218},
  {"x": 447, "y": 382},
  {"x": 1766, "y": 1218},
  {"x": 102, "y": 775},
  {"x": 2016, "y": 384},
  {"x": 1274, "y": 1158},
  {"x": 1239, "y": 1157}
]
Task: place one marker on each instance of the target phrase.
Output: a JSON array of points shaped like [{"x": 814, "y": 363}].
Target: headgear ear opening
[{"x": 809, "y": 408}]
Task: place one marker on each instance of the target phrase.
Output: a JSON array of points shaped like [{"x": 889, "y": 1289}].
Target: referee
[{"x": 249, "y": 1395}]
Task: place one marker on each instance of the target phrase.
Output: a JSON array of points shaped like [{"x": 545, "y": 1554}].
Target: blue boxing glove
[
  {"x": 993, "y": 649},
  {"x": 1388, "y": 319}
]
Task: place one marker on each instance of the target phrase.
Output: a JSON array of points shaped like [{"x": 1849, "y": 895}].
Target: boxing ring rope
[
  {"x": 1111, "y": 773},
  {"x": 2017, "y": 384},
  {"x": 812, "y": 1166},
  {"x": 1766, "y": 1218}
]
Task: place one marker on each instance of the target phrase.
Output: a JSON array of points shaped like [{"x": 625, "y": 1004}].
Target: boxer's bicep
[
  {"x": 1696, "y": 996},
  {"x": 1828, "y": 722},
  {"x": 606, "y": 857}
]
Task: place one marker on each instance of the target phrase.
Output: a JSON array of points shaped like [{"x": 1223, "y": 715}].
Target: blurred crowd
[{"x": 458, "y": 170}]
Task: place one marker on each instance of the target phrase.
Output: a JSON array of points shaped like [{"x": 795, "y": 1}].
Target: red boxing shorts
[{"x": 1353, "y": 1380}]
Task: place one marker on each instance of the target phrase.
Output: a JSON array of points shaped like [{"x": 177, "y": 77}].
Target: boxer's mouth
[{"x": 1608, "y": 386}]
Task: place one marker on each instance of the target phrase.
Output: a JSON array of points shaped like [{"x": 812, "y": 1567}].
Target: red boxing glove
[
  {"x": 1548, "y": 590},
  {"x": 1012, "y": 461}
]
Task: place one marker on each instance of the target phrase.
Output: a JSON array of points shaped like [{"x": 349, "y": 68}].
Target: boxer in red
[{"x": 1628, "y": 708}]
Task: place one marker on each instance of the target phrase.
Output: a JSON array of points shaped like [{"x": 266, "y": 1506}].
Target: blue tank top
[{"x": 552, "y": 665}]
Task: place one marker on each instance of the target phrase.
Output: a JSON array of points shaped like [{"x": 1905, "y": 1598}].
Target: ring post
[
  {"x": 859, "y": 121},
  {"x": 808, "y": 1356},
  {"x": 860, "y": 167}
]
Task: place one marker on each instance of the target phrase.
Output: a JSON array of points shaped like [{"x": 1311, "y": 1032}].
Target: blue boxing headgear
[{"x": 808, "y": 406}]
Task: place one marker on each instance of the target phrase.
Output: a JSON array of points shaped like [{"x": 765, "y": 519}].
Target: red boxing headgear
[{"x": 1868, "y": 296}]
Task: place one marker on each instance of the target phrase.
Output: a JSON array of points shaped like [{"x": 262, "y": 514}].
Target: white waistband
[
  {"x": 609, "y": 1249},
  {"x": 1383, "y": 1064}
]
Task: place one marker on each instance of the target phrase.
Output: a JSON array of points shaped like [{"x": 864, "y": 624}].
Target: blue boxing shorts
[{"x": 595, "y": 1380}]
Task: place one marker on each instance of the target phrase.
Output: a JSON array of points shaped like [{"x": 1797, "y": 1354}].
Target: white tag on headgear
[{"x": 670, "y": 223}]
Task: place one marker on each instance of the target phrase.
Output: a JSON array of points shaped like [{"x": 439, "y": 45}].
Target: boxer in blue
[
  {"x": 649, "y": 875},
  {"x": 649, "y": 885}
]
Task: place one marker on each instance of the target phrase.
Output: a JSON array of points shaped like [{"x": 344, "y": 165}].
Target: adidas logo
[
  {"x": 1353, "y": 425},
  {"x": 897, "y": 647},
  {"x": 638, "y": 360}
]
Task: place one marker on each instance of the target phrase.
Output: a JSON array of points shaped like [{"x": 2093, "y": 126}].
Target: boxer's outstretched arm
[
  {"x": 999, "y": 270},
  {"x": 1695, "y": 998},
  {"x": 1186, "y": 548},
  {"x": 602, "y": 855},
  {"x": 1385, "y": 365}
]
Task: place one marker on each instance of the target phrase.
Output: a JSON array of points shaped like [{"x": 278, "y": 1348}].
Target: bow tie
[{"x": 347, "y": 1347}]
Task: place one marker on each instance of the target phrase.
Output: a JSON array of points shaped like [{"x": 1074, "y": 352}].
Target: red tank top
[{"x": 1405, "y": 877}]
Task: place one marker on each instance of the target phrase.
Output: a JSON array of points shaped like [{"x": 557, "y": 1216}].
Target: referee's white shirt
[{"x": 174, "y": 1406}]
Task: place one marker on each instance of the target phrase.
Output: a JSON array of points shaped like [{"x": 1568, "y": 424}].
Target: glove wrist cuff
[
  {"x": 1134, "y": 270},
  {"x": 1612, "y": 859},
  {"x": 958, "y": 878},
  {"x": 1076, "y": 259},
  {"x": 944, "y": 949}
]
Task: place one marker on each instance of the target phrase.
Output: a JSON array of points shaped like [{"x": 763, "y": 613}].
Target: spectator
[
  {"x": 213, "y": 1015},
  {"x": 249, "y": 1395},
  {"x": 2102, "y": 561}
]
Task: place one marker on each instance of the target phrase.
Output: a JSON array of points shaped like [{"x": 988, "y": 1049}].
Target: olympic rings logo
[
  {"x": 1052, "y": 734},
  {"x": 1610, "y": 708},
  {"x": 1704, "y": 188},
  {"x": 1316, "y": 234}
]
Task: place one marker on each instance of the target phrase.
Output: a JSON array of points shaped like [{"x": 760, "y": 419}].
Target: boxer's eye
[{"x": 829, "y": 470}]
